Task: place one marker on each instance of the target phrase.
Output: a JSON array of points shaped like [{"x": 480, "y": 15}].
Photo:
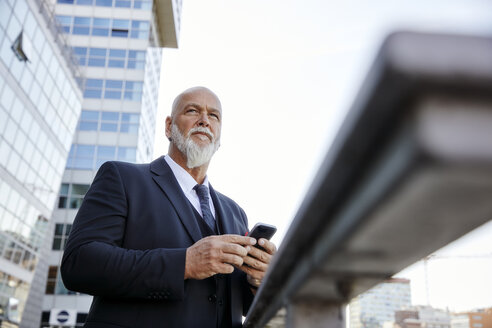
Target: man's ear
[{"x": 169, "y": 122}]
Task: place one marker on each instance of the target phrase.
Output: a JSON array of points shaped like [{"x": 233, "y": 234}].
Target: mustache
[{"x": 203, "y": 130}]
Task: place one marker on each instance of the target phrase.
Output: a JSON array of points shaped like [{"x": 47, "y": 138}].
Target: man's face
[{"x": 195, "y": 126}]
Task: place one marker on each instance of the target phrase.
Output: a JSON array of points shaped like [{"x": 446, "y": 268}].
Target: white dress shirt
[{"x": 186, "y": 182}]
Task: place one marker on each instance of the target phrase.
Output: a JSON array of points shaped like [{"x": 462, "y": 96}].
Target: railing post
[{"x": 314, "y": 314}]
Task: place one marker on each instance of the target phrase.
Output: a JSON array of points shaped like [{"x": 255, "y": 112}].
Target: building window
[
  {"x": 136, "y": 59},
  {"x": 81, "y": 25},
  {"x": 109, "y": 121},
  {"x": 61, "y": 235},
  {"x": 477, "y": 325},
  {"x": 113, "y": 89},
  {"x": 114, "y": 58},
  {"x": 137, "y": 4},
  {"x": 89, "y": 120},
  {"x": 81, "y": 318},
  {"x": 71, "y": 196},
  {"x": 51, "y": 281},
  {"x": 477, "y": 317},
  {"x": 121, "y": 28},
  {"x": 54, "y": 283},
  {"x": 45, "y": 318},
  {"x": 90, "y": 157}
]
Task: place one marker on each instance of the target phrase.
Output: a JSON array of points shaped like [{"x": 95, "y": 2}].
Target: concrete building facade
[
  {"x": 117, "y": 46},
  {"x": 481, "y": 318},
  {"x": 422, "y": 317},
  {"x": 40, "y": 102}
]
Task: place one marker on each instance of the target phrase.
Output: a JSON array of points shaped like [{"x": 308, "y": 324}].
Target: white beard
[{"x": 195, "y": 154}]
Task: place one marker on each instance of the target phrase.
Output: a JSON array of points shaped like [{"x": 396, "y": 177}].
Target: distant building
[
  {"x": 422, "y": 317},
  {"x": 474, "y": 319},
  {"x": 40, "y": 102},
  {"x": 379, "y": 304}
]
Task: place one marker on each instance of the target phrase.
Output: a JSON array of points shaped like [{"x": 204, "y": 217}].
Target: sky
[{"x": 286, "y": 73}]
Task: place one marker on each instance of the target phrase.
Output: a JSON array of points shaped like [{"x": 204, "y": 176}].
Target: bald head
[
  {"x": 194, "y": 90},
  {"x": 194, "y": 126}
]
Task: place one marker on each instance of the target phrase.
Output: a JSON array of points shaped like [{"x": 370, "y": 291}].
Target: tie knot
[{"x": 202, "y": 191}]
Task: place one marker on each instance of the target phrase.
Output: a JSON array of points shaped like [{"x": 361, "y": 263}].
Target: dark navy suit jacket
[{"x": 128, "y": 244}]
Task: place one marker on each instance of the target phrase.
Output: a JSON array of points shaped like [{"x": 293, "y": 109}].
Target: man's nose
[{"x": 203, "y": 120}]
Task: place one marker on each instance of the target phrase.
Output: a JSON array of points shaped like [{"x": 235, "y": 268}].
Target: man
[{"x": 156, "y": 245}]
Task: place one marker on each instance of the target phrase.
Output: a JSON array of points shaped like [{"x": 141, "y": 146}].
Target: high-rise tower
[
  {"x": 40, "y": 103},
  {"x": 116, "y": 43}
]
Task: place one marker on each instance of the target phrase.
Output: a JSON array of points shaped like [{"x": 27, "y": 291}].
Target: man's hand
[
  {"x": 216, "y": 254},
  {"x": 257, "y": 261}
]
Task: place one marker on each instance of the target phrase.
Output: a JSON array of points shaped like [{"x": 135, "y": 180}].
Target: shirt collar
[{"x": 185, "y": 180}]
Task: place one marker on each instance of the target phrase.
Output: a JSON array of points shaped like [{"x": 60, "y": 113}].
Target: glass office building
[
  {"x": 40, "y": 102},
  {"x": 116, "y": 45}
]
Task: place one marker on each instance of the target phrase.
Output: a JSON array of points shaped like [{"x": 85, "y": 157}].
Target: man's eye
[
  {"x": 215, "y": 116},
  {"x": 191, "y": 110}
]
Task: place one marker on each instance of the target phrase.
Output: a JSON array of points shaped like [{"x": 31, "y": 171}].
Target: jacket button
[
  {"x": 212, "y": 298},
  {"x": 220, "y": 302}
]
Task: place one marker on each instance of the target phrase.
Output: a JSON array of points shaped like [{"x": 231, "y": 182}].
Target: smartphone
[{"x": 262, "y": 230}]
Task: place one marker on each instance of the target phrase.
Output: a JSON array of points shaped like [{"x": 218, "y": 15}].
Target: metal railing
[{"x": 409, "y": 171}]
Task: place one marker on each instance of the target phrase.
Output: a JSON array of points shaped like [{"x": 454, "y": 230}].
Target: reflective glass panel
[
  {"x": 88, "y": 126},
  {"x": 136, "y": 54},
  {"x": 114, "y": 84},
  {"x": 85, "y": 150},
  {"x": 80, "y": 50},
  {"x": 121, "y": 23},
  {"x": 84, "y": 21},
  {"x": 80, "y": 30},
  {"x": 79, "y": 189},
  {"x": 82, "y": 164},
  {"x": 101, "y": 22},
  {"x": 116, "y": 63},
  {"x": 127, "y": 117},
  {"x": 64, "y": 20},
  {"x": 110, "y": 116},
  {"x": 98, "y": 62},
  {"x": 142, "y": 25},
  {"x": 107, "y": 152},
  {"x": 117, "y": 53},
  {"x": 93, "y": 93},
  {"x": 105, "y": 3},
  {"x": 123, "y": 3},
  {"x": 89, "y": 115},
  {"x": 108, "y": 94},
  {"x": 97, "y": 52},
  {"x": 94, "y": 83},
  {"x": 100, "y": 31},
  {"x": 127, "y": 154}
]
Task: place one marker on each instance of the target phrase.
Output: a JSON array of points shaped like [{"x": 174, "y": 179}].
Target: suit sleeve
[{"x": 94, "y": 261}]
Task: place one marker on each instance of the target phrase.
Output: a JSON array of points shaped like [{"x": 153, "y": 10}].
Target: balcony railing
[{"x": 409, "y": 171}]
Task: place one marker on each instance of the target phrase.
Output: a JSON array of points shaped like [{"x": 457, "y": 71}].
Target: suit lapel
[{"x": 164, "y": 177}]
